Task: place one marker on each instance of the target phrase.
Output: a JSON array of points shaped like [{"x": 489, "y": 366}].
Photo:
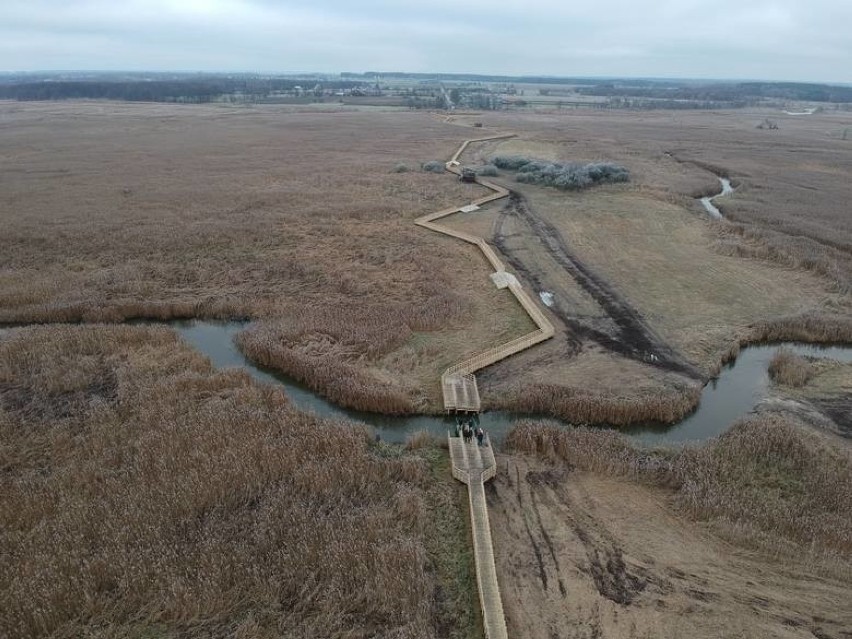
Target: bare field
[{"x": 748, "y": 536}]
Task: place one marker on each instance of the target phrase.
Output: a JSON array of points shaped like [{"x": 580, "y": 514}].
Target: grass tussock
[
  {"x": 769, "y": 481},
  {"x": 420, "y": 439},
  {"x": 580, "y": 405},
  {"x": 140, "y": 490},
  {"x": 790, "y": 369}
]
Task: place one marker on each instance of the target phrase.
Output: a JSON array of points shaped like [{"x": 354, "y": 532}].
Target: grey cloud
[{"x": 771, "y": 39}]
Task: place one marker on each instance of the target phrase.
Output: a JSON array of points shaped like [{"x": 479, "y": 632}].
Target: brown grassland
[
  {"x": 705, "y": 289},
  {"x": 144, "y": 494},
  {"x": 297, "y": 220},
  {"x": 115, "y": 211}
]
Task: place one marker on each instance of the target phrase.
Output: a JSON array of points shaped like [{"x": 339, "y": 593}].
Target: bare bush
[
  {"x": 510, "y": 162},
  {"x": 487, "y": 170},
  {"x": 768, "y": 481},
  {"x": 567, "y": 177},
  {"x": 401, "y": 168}
]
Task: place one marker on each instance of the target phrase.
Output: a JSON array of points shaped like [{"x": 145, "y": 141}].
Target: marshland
[{"x": 148, "y": 492}]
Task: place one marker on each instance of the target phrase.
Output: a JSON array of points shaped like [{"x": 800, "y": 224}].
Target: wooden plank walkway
[
  {"x": 457, "y": 383},
  {"x": 474, "y": 465}
]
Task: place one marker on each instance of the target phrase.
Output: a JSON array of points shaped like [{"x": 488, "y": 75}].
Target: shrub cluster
[{"x": 567, "y": 177}]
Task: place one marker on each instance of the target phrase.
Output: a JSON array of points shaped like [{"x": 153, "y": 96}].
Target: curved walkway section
[{"x": 457, "y": 382}]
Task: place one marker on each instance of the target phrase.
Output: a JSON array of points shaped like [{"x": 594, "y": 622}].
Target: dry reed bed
[
  {"x": 811, "y": 328},
  {"x": 330, "y": 350},
  {"x": 127, "y": 211},
  {"x": 769, "y": 481},
  {"x": 100, "y": 224},
  {"x": 790, "y": 369},
  {"x": 142, "y": 492},
  {"x": 791, "y": 250},
  {"x": 582, "y": 405}
]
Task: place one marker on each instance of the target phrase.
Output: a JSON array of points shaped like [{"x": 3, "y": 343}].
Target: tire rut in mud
[{"x": 633, "y": 338}]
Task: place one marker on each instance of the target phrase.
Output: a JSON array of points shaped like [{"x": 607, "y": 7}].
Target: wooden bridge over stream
[{"x": 472, "y": 464}]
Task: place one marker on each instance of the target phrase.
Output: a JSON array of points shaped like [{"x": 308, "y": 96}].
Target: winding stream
[
  {"x": 707, "y": 202},
  {"x": 739, "y": 387}
]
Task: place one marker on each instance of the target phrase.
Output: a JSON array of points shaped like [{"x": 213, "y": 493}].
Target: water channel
[
  {"x": 707, "y": 202},
  {"x": 739, "y": 387}
]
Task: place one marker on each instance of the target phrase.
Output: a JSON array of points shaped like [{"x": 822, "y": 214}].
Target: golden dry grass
[
  {"x": 769, "y": 481},
  {"x": 144, "y": 494}
]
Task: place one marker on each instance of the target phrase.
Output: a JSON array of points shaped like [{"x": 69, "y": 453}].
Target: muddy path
[{"x": 628, "y": 334}]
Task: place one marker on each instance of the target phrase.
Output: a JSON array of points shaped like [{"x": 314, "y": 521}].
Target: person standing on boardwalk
[{"x": 480, "y": 435}]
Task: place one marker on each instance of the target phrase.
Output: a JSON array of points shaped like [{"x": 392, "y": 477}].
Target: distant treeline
[
  {"x": 181, "y": 90},
  {"x": 371, "y": 76},
  {"x": 740, "y": 93}
]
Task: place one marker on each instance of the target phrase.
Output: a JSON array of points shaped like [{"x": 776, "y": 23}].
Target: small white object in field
[{"x": 547, "y": 298}]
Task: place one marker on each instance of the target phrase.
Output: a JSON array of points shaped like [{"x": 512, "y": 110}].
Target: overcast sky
[{"x": 807, "y": 40}]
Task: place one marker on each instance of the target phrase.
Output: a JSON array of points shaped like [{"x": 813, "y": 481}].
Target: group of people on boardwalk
[{"x": 466, "y": 430}]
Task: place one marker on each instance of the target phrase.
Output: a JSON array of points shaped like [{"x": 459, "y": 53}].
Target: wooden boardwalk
[
  {"x": 457, "y": 382},
  {"x": 474, "y": 465}
]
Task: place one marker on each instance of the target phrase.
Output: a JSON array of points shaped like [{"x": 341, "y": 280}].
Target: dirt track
[
  {"x": 585, "y": 556},
  {"x": 628, "y": 333}
]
